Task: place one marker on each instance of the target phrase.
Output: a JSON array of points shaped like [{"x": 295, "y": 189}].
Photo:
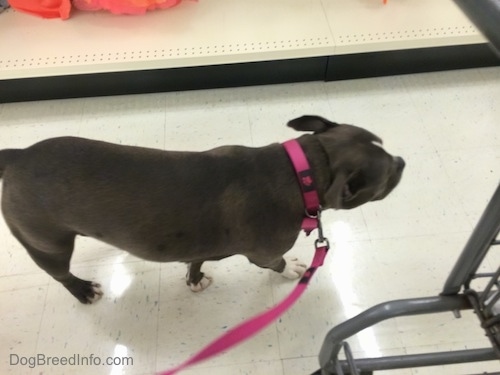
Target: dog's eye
[
  {"x": 356, "y": 183},
  {"x": 346, "y": 193}
]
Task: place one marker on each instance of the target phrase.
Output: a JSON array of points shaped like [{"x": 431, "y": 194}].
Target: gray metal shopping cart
[{"x": 465, "y": 289}]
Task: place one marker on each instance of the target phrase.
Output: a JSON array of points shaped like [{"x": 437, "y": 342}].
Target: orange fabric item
[
  {"x": 43, "y": 8},
  {"x": 135, "y": 7}
]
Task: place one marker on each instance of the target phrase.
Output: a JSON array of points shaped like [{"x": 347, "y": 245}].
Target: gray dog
[{"x": 184, "y": 206}]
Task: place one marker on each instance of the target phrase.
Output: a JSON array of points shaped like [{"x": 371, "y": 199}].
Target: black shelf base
[{"x": 327, "y": 68}]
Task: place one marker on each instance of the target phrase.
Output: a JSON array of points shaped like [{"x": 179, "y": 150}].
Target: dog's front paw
[
  {"x": 203, "y": 284},
  {"x": 294, "y": 268},
  {"x": 96, "y": 289}
]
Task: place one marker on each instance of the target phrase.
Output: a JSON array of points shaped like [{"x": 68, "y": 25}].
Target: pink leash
[{"x": 311, "y": 221}]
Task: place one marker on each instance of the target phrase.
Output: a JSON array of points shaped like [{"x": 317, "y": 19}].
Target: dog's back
[
  {"x": 158, "y": 205},
  {"x": 7, "y": 157}
]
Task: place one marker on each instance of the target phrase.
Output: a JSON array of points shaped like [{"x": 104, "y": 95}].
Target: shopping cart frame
[{"x": 457, "y": 295}]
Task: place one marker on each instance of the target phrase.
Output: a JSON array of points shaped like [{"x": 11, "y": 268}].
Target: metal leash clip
[{"x": 322, "y": 241}]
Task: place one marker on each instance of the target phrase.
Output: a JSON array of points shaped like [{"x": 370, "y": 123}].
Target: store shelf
[
  {"x": 368, "y": 26},
  {"x": 209, "y": 33},
  {"x": 200, "y": 33}
]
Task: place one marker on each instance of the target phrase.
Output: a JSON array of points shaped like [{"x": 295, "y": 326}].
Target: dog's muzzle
[{"x": 400, "y": 163}]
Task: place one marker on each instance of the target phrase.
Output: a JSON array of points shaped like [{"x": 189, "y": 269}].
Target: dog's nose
[{"x": 400, "y": 163}]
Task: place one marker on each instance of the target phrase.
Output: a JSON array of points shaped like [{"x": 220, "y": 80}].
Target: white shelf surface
[{"x": 212, "y": 32}]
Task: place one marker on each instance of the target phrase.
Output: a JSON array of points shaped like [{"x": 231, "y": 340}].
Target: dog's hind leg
[
  {"x": 195, "y": 279},
  {"x": 53, "y": 255},
  {"x": 291, "y": 268}
]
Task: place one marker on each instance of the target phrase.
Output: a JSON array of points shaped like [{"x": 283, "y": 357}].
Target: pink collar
[{"x": 306, "y": 183}]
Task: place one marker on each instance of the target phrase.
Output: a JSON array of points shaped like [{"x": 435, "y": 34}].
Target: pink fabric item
[{"x": 133, "y": 7}]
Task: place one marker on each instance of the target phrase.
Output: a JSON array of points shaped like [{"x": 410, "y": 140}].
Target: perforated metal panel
[
  {"x": 220, "y": 32},
  {"x": 410, "y": 37}
]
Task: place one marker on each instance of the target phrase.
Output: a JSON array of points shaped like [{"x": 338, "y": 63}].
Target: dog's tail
[{"x": 7, "y": 157}]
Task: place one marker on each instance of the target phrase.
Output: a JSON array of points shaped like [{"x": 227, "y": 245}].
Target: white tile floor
[{"x": 446, "y": 126}]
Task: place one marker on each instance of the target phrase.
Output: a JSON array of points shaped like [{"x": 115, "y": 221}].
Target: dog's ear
[{"x": 309, "y": 123}]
